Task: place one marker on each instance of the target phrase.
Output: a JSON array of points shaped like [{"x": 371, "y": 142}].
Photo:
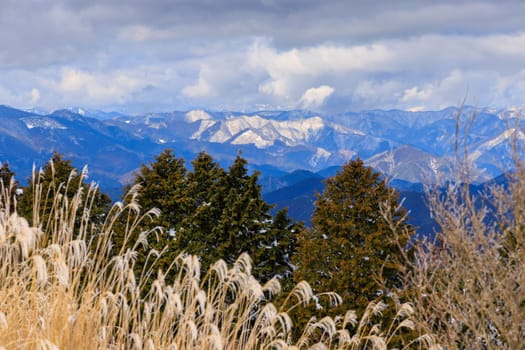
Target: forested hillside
[{"x": 194, "y": 257}]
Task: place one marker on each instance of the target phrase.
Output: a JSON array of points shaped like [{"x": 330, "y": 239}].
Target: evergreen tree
[
  {"x": 6, "y": 174},
  {"x": 6, "y": 177},
  {"x": 206, "y": 193},
  {"x": 279, "y": 244},
  {"x": 162, "y": 185},
  {"x": 58, "y": 177},
  {"x": 244, "y": 213},
  {"x": 215, "y": 214},
  {"x": 234, "y": 219},
  {"x": 351, "y": 249}
]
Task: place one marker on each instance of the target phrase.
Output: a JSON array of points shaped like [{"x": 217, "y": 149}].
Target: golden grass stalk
[{"x": 59, "y": 290}]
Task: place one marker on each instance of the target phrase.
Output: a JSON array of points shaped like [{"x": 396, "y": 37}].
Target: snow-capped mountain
[
  {"x": 409, "y": 146},
  {"x": 412, "y": 146},
  {"x": 278, "y": 138},
  {"x": 27, "y": 138}
]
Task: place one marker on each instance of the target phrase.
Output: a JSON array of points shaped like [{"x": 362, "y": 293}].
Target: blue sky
[{"x": 160, "y": 55}]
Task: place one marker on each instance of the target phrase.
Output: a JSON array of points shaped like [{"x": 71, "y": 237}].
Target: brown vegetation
[
  {"x": 468, "y": 286},
  {"x": 67, "y": 289}
]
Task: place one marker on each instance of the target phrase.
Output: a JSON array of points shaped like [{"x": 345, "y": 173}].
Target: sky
[{"x": 135, "y": 56}]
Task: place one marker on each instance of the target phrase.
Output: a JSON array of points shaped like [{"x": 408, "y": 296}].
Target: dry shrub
[
  {"x": 68, "y": 289},
  {"x": 468, "y": 286}
]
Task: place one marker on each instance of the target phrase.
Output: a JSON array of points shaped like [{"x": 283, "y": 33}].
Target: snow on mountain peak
[
  {"x": 320, "y": 155},
  {"x": 345, "y": 130},
  {"x": 251, "y": 137},
  {"x": 193, "y": 116},
  {"x": 205, "y": 124},
  {"x": 42, "y": 122},
  {"x": 505, "y": 136},
  {"x": 260, "y": 131}
]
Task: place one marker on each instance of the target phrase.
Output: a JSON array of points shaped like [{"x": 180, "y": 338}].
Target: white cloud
[
  {"x": 415, "y": 94},
  {"x": 315, "y": 97},
  {"x": 161, "y": 56},
  {"x": 433, "y": 71},
  {"x": 416, "y": 108},
  {"x": 371, "y": 93},
  {"x": 290, "y": 72},
  {"x": 286, "y": 75},
  {"x": 35, "y": 96},
  {"x": 75, "y": 80},
  {"x": 330, "y": 58},
  {"x": 277, "y": 87},
  {"x": 142, "y": 33},
  {"x": 428, "y": 71},
  {"x": 97, "y": 87},
  {"x": 201, "y": 88},
  {"x": 510, "y": 88}
]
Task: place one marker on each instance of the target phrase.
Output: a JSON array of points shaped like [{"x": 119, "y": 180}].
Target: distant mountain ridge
[
  {"x": 413, "y": 147},
  {"x": 294, "y": 151},
  {"x": 299, "y": 198}
]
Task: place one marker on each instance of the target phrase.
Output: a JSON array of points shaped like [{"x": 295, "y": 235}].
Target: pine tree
[{"x": 351, "y": 249}]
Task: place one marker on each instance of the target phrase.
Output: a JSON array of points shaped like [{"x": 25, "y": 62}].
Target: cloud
[
  {"x": 143, "y": 33},
  {"x": 65, "y": 31},
  {"x": 321, "y": 59},
  {"x": 100, "y": 88},
  {"x": 415, "y": 94},
  {"x": 287, "y": 74},
  {"x": 237, "y": 54},
  {"x": 241, "y": 75},
  {"x": 35, "y": 96},
  {"x": 315, "y": 97},
  {"x": 200, "y": 89}
]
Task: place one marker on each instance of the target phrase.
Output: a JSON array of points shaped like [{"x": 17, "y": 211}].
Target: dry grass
[
  {"x": 468, "y": 288},
  {"x": 60, "y": 290}
]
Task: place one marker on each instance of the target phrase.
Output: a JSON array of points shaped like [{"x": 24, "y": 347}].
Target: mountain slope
[
  {"x": 299, "y": 198},
  {"x": 409, "y": 146},
  {"x": 109, "y": 151}
]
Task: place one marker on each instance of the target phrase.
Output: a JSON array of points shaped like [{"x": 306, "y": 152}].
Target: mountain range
[{"x": 410, "y": 147}]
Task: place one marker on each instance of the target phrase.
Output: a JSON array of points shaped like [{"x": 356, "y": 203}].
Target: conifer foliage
[
  {"x": 163, "y": 186},
  {"x": 351, "y": 249},
  {"x": 6, "y": 174},
  {"x": 58, "y": 178},
  {"x": 215, "y": 213},
  {"x": 8, "y": 183}
]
